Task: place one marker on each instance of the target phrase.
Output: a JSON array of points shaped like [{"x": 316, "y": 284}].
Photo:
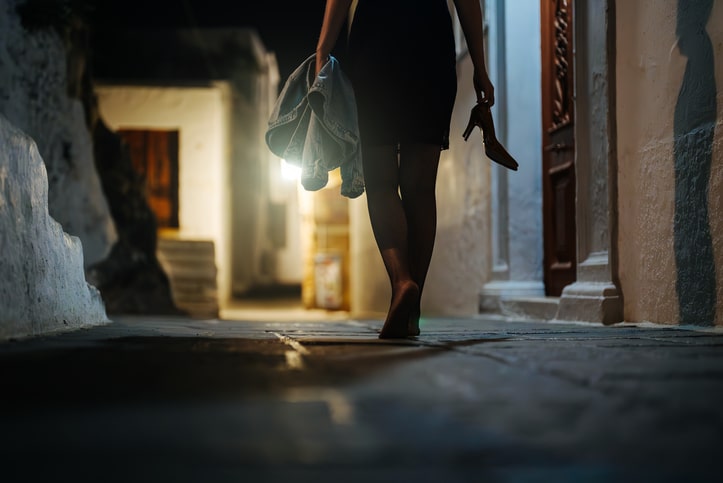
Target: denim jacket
[{"x": 315, "y": 126}]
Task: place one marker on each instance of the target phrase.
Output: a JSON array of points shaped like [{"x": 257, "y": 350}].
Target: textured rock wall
[
  {"x": 42, "y": 284},
  {"x": 34, "y": 97},
  {"x": 46, "y": 90}
]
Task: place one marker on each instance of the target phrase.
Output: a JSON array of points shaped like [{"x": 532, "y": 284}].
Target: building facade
[
  {"x": 633, "y": 189},
  {"x": 613, "y": 110},
  {"x": 192, "y": 107}
]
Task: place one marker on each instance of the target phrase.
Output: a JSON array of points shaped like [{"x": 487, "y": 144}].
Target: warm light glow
[{"x": 289, "y": 172}]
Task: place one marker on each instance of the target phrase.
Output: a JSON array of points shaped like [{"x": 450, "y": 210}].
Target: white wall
[
  {"x": 650, "y": 73},
  {"x": 461, "y": 259},
  {"x": 34, "y": 97},
  {"x": 370, "y": 289},
  {"x": 285, "y": 189},
  {"x": 42, "y": 287},
  {"x": 202, "y": 117}
]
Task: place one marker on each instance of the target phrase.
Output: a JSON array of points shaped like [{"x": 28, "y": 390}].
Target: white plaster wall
[
  {"x": 285, "y": 189},
  {"x": 369, "y": 285},
  {"x": 650, "y": 72},
  {"x": 34, "y": 97},
  {"x": 42, "y": 284},
  {"x": 461, "y": 259},
  {"x": 202, "y": 117}
]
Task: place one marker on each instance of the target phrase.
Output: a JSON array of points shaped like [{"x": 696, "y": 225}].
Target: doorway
[{"x": 154, "y": 154}]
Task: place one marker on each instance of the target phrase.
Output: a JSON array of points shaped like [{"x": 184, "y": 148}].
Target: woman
[{"x": 402, "y": 65}]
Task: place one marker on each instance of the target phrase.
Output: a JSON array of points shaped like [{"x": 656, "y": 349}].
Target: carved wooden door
[
  {"x": 558, "y": 144},
  {"x": 154, "y": 154}
]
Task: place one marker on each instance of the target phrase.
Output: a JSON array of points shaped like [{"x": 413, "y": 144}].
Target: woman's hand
[
  {"x": 483, "y": 88},
  {"x": 470, "y": 17},
  {"x": 321, "y": 60}
]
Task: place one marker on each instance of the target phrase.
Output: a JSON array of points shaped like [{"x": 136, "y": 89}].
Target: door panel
[
  {"x": 558, "y": 156},
  {"x": 154, "y": 154}
]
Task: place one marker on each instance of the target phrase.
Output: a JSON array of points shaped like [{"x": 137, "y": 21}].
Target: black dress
[{"x": 401, "y": 61}]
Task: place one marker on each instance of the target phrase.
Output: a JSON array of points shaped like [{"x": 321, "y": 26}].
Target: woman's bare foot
[{"x": 405, "y": 298}]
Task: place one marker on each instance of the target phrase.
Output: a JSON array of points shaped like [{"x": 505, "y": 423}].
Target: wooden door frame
[{"x": 558, "y": 144}]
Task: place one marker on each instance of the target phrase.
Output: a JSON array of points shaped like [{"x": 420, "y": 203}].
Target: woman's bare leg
[
  {"x": 417, "y": 180},
  {"x": 389, "y": 222}
]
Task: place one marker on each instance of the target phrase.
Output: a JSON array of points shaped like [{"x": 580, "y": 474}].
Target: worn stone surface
[
  {"x": 470, "y": 400},
  {"x": 42, "y": 286},
  {"x": 46, "y": 90},
  {"x": 34, "y": 97}
]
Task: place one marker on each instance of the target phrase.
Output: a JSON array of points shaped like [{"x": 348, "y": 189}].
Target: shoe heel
[
  {"x": 468, "y": 129},
  {"x": 482, "y": 116}
]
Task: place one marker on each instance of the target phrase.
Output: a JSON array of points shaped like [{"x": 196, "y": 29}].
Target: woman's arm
[
  {"x": 334, "y": 16},
  {"x": 470, "y": 17}
]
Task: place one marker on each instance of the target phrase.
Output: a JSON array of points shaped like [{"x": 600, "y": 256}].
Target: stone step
[
  {"x": 191, "y": 269},
  {"x": 202, "y": 272},
  {"x": 538, "y": 308},
  {"x": 193, "y": 286},
  {"x": 185, "y": 251}
]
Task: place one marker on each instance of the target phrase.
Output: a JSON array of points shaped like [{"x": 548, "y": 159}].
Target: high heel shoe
[{"x": 481, "y": 116}]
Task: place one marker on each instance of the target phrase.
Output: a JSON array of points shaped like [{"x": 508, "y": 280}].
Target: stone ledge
[
  {"x": 538, "y": 308},
  {"x": 591, "y": 302}
]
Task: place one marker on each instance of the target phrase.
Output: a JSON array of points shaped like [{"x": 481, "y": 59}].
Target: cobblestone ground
[{"x": 478, "y": 400}]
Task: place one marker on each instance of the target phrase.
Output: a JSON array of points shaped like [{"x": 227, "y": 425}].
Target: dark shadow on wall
[{"x": 694, "y": 127}]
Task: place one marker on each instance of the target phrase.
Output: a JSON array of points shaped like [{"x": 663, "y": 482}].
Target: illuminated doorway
[{"x": 154, "y": 154}]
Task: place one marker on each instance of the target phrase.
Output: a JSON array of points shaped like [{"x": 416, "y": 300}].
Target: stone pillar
[{"x": 595, "y": 296}]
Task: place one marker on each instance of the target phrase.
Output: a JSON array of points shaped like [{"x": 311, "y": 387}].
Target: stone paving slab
[{"x": 478, "y": 399}]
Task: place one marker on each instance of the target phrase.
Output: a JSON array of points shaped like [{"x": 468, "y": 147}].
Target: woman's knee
[
  {"x": 418, "y": 171},
  {"x": 381, "y": 169},
  {"x": 417, "y": 186}
]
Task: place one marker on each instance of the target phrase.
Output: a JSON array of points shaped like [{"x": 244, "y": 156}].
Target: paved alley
[{"x": 470, "y": 400}]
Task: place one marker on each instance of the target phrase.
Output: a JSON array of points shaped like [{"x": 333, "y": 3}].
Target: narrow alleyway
[{"x": 471, "y": 400}]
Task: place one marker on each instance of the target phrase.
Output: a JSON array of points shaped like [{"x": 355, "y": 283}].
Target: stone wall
[
  {"x": 670, "y": 148},
  {"x": 34, "y": 97},
  {"x": 42, "y": 284},
  {"x": 46, "y": 91}
]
